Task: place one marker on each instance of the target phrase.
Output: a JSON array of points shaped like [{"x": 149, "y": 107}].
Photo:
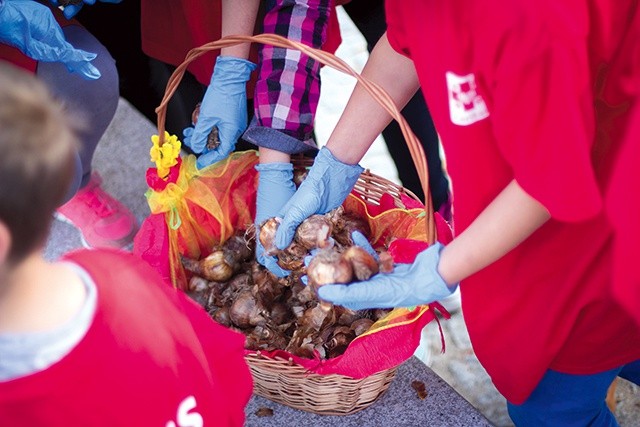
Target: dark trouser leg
[
  {"x": 92, "y": 101},
  {"x": 567, "y": 400}
]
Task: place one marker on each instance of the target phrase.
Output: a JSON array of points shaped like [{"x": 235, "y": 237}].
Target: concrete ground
[{"x": 123, "y": 157}]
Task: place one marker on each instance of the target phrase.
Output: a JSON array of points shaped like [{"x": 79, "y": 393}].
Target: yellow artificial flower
[{"x": 165, "y": 156}]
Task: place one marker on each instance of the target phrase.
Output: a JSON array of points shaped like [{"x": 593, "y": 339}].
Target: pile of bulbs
[{"x": 285, "y": 313}]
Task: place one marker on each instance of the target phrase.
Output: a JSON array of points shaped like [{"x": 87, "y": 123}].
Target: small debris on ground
[
  {"x": 420, "y": 389},
  {"x": 264, "y": 412}
]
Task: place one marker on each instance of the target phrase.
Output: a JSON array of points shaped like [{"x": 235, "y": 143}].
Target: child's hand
[
  {"x": 224, "y": 106},
  {"x": 408, "y": 285},
  {"x": 275, "y": 188},
  {"x": 326, "y": 186},
  {"x": 31, "y": 27}
]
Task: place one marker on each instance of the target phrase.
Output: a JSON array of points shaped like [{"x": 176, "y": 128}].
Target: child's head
[{"x": 37, "y": 146}]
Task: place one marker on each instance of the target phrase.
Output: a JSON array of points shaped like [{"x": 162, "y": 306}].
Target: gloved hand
[
  {"x": 407, "y": 286},
  {"x": 326, "y": 186},
  {"x": 31, "y": 27},
  {"x": 275, "y": 188},
  {"x": 225, "y": 106},
  {"x": 359, "y": 239},
  {"x": 70, "y": 9}
]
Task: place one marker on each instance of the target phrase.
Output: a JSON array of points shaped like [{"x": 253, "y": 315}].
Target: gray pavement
[{"x": 122, "y": 158}]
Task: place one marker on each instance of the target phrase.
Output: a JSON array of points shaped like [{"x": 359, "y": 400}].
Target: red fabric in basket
[
  {"x": 195, "y": 210},
  {"x": 404, "y": 251},
  {"x": 151, "y": 243}
]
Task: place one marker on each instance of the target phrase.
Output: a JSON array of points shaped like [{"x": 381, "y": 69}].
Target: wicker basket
[
  {"x": 290, "y": 384},
  {"x": 282, "y": 380}
]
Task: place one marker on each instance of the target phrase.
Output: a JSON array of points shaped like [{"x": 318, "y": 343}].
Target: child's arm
[
  {"x": 285, "y": 103},
  {"x": 224, "y": 105},
  {"x": 288, "y": 85},
  {"x": 364, "y": 118},
  {"x": 238, "y": 18},
  {"x": 33, "y": 29},
  {"x": 508, "y": 220}
]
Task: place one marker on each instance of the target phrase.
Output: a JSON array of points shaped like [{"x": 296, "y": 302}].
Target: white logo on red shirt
[
  {"x": 466, "y": 106},
  {"x": 185, "y": 416}
]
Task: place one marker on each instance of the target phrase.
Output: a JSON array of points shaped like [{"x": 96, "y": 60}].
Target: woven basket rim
[
  {"x": 331, "y": 394},
  {"x": 259, "y": 356}
]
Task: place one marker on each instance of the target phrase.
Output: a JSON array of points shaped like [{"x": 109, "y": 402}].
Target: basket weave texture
[
  {"x": 282, "y": 380},
  {"x": 290, "y": 384}
]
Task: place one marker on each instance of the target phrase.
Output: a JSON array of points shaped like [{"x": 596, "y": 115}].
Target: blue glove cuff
[
  {"x": 268, "y": 168},
  {"x": 275, "y": 188},
  {"x": 229, "y": 69},
  {"x": 442, "y": 289},
  {"x": 325, "y": 160}
]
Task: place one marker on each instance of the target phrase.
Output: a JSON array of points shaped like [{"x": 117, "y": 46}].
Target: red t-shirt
[
  {"x": 623, "y": 206},
  {"x": 622, "y": 201},
  {"x": 151, "y": 357},
  {"x": 510, "y": 86}
]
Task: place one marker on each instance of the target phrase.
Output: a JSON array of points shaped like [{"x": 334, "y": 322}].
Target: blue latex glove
[
  {"x": 70, "y": 10},
  {"x": 275, "y": 188},
  {"x": 328, "y": 183},
  {"x": 31, "y": 27},
  {"x": 225, "y": 106},
  {"x": 408, "y": 285},
  {"x": 359, "y": 239}
]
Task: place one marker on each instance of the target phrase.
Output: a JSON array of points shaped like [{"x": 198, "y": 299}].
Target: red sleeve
[
  {"x": 16, "y": 57},
  {"x": 170, "y": 28},
  {"x": 542, "y": 116},
  {"x": 395, "y": 28},
  {"x": 334, "y": 37}
]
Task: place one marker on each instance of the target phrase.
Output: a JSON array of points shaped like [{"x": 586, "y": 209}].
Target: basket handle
[{"x": 378, "y": 93}]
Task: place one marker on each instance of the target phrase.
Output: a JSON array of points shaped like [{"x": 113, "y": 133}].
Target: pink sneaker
[{"x": 103, "y": 221}]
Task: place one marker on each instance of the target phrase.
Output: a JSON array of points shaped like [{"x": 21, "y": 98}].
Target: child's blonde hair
[{"x": 37, "y": 146}]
